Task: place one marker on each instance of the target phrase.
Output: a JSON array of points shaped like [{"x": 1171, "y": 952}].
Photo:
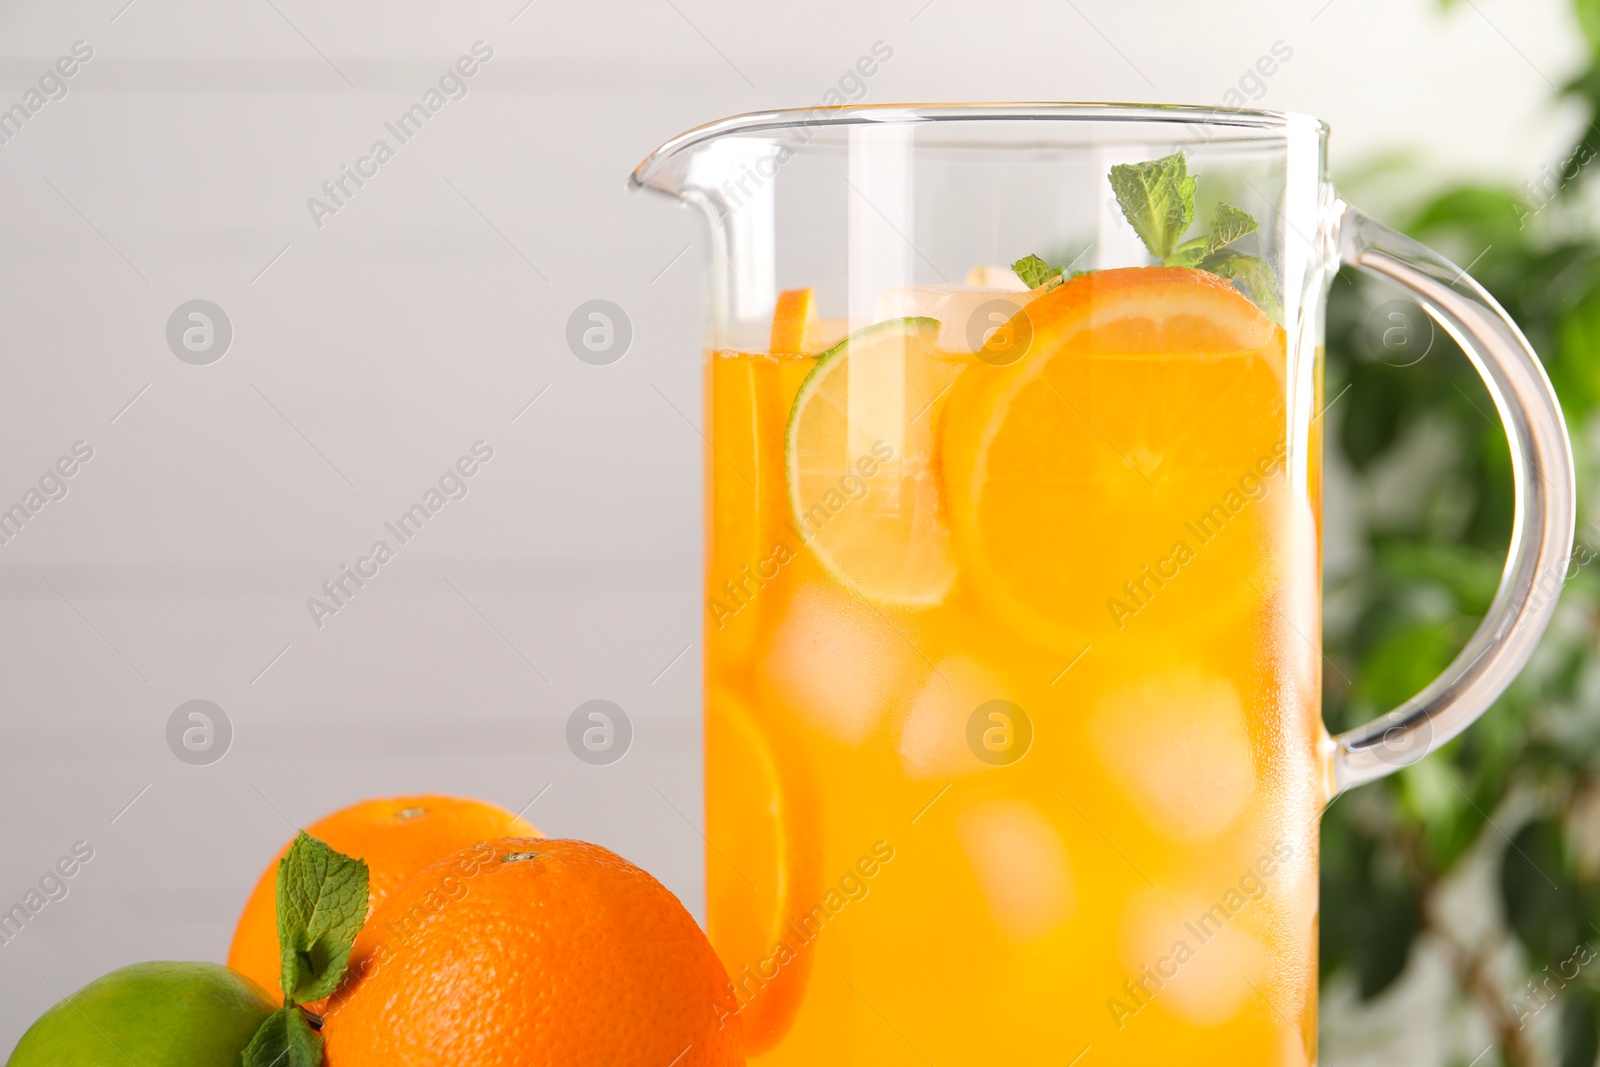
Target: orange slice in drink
[
  {"x": 859, "y": 451},
  {"x": 747, "y": 500},
  {"x": 1146, "y": 399},
  {"x": 763, "y": 868},
  {"x": 794, "y": 322}
]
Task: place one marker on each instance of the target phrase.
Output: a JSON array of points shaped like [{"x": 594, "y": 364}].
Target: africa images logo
[
  {"x": 452, "y": 485},
  {"x": 452, "y": 85},
  {"x": 52, "y": 85}
]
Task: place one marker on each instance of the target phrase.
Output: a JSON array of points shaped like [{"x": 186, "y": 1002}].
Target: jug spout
[
  {"x": 709, "y": 163},
  {"x": 727, "y": 170},
  {"x": 732, "y": 170}
]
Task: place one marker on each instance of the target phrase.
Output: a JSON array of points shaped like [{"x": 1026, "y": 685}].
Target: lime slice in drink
[{"x": 859, "y": 454}]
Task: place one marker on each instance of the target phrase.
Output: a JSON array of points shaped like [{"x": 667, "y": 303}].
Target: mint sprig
[
  {"x": 322, "y": 902},
  {"x": 1157, "y": 197}
]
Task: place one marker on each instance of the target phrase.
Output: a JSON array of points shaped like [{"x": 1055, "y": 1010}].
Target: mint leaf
[
  {"x": 1158, "y": 199},
  {"x": 1227, "y": 226},
  {"x": 1034, "y": 271},
  {"x": 284, "y": 1040},
  {"x": 322, "y": 902},
  {"x": 1255, "y": 277}
]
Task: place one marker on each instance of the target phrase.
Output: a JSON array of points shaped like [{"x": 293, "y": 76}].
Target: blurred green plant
[{"x": 1429, "y": 506}]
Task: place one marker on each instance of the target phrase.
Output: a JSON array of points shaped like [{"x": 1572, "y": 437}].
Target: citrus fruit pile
[{"x": 423, "y": 930}]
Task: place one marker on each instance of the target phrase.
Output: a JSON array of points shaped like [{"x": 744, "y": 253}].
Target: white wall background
[{"x": 370, "y": 353}]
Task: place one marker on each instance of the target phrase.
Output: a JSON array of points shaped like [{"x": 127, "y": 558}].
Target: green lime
[
  {"x": 150, "y": 1015},
  {"x": 863, "y": 477}
]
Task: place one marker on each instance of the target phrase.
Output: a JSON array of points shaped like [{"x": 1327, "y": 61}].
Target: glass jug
[{"x": 1013, "y": 751}]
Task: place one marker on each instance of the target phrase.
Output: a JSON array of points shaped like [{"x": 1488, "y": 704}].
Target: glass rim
[{"x": 1260, "y": 123}]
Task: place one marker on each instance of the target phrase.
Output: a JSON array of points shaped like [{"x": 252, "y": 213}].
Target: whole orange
[
  {"x": 532, "y": 952},
  {"x": 396, "y": 836}
]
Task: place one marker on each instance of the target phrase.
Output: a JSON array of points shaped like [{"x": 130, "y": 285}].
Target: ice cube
[
  {"x": 1224, "y": 974},
  {"x": 1021, "y": 865},
  {"x": 989, "y": 276},
  {"x": 1189, "y": 958},
  {"x": 933, "y": 739},
  {"x": 839, "y": 665},
  {"x": 967, "y": 314},
  {"x": 1177, "y": 745}
]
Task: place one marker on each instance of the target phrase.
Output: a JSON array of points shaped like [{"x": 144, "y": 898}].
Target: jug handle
[{"x": 1541, "y": 531}]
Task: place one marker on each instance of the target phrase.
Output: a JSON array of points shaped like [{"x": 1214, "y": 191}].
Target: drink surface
[{"x": 1012, "y": 732}]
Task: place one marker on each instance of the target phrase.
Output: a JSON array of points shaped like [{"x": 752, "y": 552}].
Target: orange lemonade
[{"x": 1012, "y": 730}]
